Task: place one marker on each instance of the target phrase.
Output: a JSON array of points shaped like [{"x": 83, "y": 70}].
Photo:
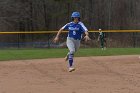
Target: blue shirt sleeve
[
  {"x": 65, "y": 27},
  {"x": 84, "y": 29}
]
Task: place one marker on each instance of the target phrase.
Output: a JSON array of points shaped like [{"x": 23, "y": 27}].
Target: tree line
[
  {"x": 32, "y": 15},
  {"x": 46, "y": 15}
]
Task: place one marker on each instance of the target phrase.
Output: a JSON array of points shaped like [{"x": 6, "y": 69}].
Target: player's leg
[
  {"x": 102, "y": 43},
  {"x": 67, "y": 57},
  {"x": 105, "y": 44},
  {"x": 77, "y": 45},
  {"x": 71, "y": 47}
]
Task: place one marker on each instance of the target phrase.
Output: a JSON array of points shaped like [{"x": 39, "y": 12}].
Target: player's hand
[
  {"x": 56, "y": 39},
  {"x": 87, "y": 38}
]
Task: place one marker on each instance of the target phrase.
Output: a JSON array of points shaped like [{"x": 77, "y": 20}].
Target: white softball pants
[{"x": 73, "y": 45}]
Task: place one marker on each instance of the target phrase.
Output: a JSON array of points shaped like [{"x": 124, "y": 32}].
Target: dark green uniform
[{"x": 102, "y": 39}]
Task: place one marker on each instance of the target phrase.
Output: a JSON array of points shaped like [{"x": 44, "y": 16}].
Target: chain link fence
[{"x": 45, "y": 40}]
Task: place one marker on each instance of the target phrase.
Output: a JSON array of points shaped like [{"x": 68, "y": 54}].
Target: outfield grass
[{"x": 23, "y": 54}]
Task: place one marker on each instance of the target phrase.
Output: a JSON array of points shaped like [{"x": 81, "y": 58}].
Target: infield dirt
[{"x": 106, "y": 74}]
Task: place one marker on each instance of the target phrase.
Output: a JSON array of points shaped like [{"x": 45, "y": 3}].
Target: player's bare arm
[
  {"x": 86, "y": 36},
  {"x": 56, "y": 39}
]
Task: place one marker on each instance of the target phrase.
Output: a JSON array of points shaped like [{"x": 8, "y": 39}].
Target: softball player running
[{"x": 76, "y": 29}]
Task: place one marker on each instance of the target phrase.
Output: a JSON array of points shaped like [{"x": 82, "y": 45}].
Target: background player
[
  {"x": 76, "y": 28},
  {"x": 102, "y": 40}
]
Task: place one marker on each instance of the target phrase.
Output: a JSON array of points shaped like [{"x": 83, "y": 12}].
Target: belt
[{"x": 73, "y": 38}]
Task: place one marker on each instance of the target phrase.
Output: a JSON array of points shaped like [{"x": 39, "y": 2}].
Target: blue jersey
[{"x": 75, "y": 30}]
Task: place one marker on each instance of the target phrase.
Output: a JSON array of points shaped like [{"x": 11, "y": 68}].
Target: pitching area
[{"x": 100, "y": 74}]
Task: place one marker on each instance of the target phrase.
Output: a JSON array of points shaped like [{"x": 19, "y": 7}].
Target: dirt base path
[{"x": 108, "y": 74}]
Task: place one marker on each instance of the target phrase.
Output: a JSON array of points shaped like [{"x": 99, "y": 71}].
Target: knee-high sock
[{"x": 70, "y": 60}]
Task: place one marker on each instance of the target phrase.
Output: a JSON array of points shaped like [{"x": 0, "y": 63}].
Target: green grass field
[{"x": 23, "y": 54}]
